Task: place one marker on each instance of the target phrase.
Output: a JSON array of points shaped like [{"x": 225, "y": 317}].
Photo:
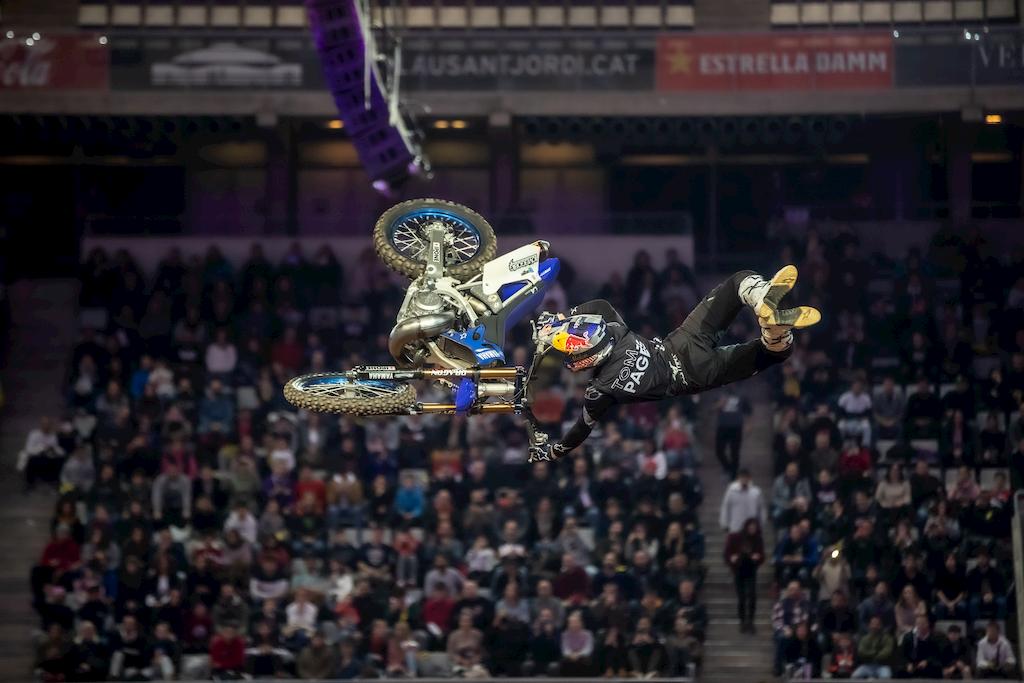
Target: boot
[{"x": 763, "y": 296}]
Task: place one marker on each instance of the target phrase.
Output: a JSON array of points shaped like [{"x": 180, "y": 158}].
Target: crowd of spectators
[
  {"x": 205, "y": 527},
  {"x": 899, "y": 439}
]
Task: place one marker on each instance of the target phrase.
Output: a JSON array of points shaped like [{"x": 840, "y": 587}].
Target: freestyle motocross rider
[{"x": 629, "y": 368}]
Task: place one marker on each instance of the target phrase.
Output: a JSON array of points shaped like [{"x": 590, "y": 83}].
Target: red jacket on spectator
[
  {"x": 317, "y": 488},
  {"x": 854, "y": 463},
  {"x": 227, "y": 654},
  {"x": 574, "y": 583},
  {"x": 183, "y": 457},
  {"x": 438, "y": 611},
  {"x": 289, "y": 354},
  {"x": 61, "y": 554}
]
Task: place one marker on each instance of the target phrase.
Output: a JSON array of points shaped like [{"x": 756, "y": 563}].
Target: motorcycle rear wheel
[
  {"x": 335, "y": 392},
  {"x": 401, "y": 244}
]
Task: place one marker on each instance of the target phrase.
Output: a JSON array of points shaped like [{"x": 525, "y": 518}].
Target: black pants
[
  {"x": 727, "y": 448},
  {"x": 746, "y": 596},
  {"x": 707, "y": 365}
]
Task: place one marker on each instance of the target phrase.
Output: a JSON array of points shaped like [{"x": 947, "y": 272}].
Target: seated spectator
[
  {"x": 801, "y": 654},
  {"x": 545, "y": 649},
  {"x": 507, "y": 638},
  {"x": 645, "y": 654},
  {"x": 688, "y": 605},
  {"x": 924, "y": 486},
  {"x": 844, "y": 657},
  {"x": 836, "y": 620},
  {"x": 855, "y": 469},
  {"x": 796, "y": 555},
  {"x": 227, "y": 654},
  {"x": 300, "y": 623},
  {"x": 888, "y": 405},
  {"x": 401, "y": 653},
  {"x": 53, "y": 656},
  {"x": 577, "y": 648},
  {"x": 409, "y": 500},
  {"x": 991, "y": 443},
  {"x": 89, "y": 656},
  {"x": 546, "y": 600},
  {"x": 466, "y": 646},
  {"x": 216, "y": 410},
  {"x": 512, "y": 606},
  {"x": 438, "y": 610},
  {"x": 172, "y": 496},
  {"x": 923, "y": 412},
  {"x": 893, "y": 494},
  {"x": 911, "y": 574},
  {"x": 995, "y": 655},
  {"x": 855, "y": 412},
  {"x": 985, "y": 520},
  {"x": 957, "y": 444},
  {"x": 921, "y": 650},
  {"x": 442, "y": 572},
  {"x": 907, "y": 609},
  {"x": 879, "y": 605},
  {"x": 986, "y": 588},
  {"x": 833, "y": 574},
  {"x": 950, "y": 596},
  {"x": 42, "y": 457},
  {"x": 130, "y": 655},
  {"x": 792, "y": 608},
  {"x": 572, "y": 584},
  {"x": 787, "y": 488},
  {"x": 956, "y": 655},
  {"x": 874, "y": 651}
]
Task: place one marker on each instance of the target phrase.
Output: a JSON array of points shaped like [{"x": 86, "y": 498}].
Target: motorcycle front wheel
[
  {"x": 401, "y": 240},
  {"x": 335, "y": 392}
]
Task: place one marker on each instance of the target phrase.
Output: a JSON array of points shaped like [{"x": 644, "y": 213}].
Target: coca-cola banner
[
  {"x": 805, "y": 61},
  {"x": 55, "y": 62}
]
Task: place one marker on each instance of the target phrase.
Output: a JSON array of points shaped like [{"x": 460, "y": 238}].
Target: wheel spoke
[
  {"x": 344, "y": 388},
  {"x": 409, "y": 237}
]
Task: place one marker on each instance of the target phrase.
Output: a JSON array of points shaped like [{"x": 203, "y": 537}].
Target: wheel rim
[
  {"x": 343, "y": 387},
  {"x": 408, "y": 235}
]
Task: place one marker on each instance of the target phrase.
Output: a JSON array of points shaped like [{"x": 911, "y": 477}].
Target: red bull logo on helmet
[{"x": 566, "y": 342}]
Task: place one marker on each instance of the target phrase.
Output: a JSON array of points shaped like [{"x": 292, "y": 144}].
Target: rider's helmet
[{"x": 585, "y": 341}]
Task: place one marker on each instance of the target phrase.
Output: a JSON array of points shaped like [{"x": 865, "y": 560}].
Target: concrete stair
[
  {"x": 729, "y": 655},
  {"x": 43, "y": 329}
]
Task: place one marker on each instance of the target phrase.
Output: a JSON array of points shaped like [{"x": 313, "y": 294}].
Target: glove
[
  {"x": 547, "y": 323},
  {"x": 547, "y": 318},
  {"x": 541, "y": 454},
  {"x": 540, "y": 449}
]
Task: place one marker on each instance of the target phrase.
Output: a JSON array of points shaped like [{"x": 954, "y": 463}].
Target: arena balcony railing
[{"x": 406, "y": 14}]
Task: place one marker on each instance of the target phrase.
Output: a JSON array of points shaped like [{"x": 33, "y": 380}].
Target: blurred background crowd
[{"x": 206, "y": 527}]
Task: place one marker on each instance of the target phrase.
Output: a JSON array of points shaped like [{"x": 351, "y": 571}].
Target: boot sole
[
  {"x": 797, "y": 318},
  {"x": 779, "y": 286}
]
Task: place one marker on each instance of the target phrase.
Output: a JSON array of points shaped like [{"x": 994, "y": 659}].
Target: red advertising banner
[
  {"x": 55, "y": 62},
  {"x": 807, "y": 61}
]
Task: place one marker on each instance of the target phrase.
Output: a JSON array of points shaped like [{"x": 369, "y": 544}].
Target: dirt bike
[{"x": 451, "y": 326}]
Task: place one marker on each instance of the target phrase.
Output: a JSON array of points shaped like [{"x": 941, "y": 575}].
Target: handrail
[{"x": 1018, "y": 570}]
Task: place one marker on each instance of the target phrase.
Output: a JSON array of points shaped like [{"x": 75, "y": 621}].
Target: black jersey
[{"x": 638, "y": 369}]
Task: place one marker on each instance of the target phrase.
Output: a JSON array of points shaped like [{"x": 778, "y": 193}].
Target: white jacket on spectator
[
  {"x": 221, "y": 358},
  {"x": 739, "y": 505},
  {"x": 246, "y": 527},
  {"x": 995, "y": 655}
]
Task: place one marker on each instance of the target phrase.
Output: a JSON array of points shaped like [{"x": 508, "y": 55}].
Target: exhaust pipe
[{"x": 414, "y": 329}]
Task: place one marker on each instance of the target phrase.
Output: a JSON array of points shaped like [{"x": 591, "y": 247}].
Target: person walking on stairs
[{"x": 744, "y": 554}]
